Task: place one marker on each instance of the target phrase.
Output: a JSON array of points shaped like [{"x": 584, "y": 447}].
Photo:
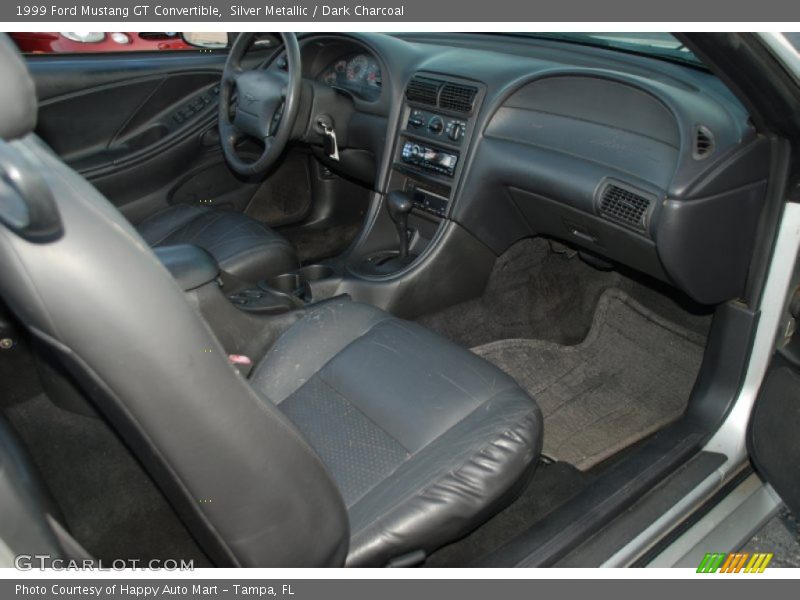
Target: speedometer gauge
[
  {"x": 358, "y": 75},
  {"x": 373, "y": 75},
  {"x": 357, "y": 68}
]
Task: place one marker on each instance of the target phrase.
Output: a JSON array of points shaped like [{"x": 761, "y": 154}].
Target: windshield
[{"x": 657, "y": 45}]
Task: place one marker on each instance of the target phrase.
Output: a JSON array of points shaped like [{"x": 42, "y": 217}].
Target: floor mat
[
  {"x": 540, "y": 290},
  {"x": 631, "y": 375}
]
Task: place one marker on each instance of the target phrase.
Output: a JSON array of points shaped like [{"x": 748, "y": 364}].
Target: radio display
[{"x": 429, "y": 158}]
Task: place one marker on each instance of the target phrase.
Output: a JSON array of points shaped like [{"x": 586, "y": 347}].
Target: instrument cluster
[{"x": 358, "y": 74}]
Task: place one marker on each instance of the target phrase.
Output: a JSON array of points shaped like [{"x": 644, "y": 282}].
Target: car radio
[{"x": 429, "y": 158}]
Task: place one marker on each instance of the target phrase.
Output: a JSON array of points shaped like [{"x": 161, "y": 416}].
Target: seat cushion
[
  {"x": 424, "y": 439},
  {"x": 241, "y": 245}
]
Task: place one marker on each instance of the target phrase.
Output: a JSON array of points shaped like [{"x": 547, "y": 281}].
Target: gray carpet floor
[{"x": 631, "y": 375}]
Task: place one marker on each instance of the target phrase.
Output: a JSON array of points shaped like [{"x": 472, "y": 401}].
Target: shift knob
[{"x": 399, "y": 204}]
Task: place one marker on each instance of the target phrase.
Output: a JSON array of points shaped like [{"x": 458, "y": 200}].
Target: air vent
[
  {"x": 457, "y": 97},
  {"x": 703, "y": 143},
  {"x": 625, "y": 206},
  {"x": 423, "y": 90}
]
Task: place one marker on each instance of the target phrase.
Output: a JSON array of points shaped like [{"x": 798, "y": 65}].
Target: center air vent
[
  {"x": 457, "y": 97},
  {"x": 625, "y": 206},
  {"x": 423, "y": 90},
  {"x": 703, "y": 143}
]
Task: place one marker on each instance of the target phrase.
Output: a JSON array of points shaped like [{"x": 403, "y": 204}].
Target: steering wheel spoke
[
  {"x": 269, "y": 142},
  {"x": 229, "y": 77}
]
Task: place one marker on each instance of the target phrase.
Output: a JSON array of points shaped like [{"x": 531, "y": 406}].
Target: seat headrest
[{"x": 17, "y": 93}]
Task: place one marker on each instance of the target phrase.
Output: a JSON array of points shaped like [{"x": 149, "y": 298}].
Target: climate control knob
[
  {"x": 436, "y": 125},
  {"x": 416, "y": 120},
  {"x": 456, "y": 131}
]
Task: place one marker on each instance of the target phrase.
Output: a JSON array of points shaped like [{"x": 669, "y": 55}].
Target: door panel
[
  {"x": 62, "y": 75},
  {"x": 119, "y": 120},
  {"x": 146, "y": 116},
  {"x": 139, "y": 127},
  {"x": 62, "y": 122}
]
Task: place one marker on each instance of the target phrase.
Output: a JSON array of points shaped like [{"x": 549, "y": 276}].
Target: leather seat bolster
[
  {"x": 424, "y": 439},
  {"x": 452, "y": 485}
]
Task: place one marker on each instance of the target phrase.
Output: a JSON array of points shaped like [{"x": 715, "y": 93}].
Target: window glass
[
  {"x": 657, "y": 45},
  {"x": 70, "y": 42}
]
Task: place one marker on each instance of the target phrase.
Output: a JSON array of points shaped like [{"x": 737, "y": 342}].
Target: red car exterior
[{"x": 53, "y": 42}]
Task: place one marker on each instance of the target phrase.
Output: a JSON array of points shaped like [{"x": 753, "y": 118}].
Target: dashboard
[
  {"x": 638, "y": 161},
  {"x": 359, "y": 74}
]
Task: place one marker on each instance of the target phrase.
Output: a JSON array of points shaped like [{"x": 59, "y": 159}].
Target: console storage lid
[{"x": 191, "y": 266}]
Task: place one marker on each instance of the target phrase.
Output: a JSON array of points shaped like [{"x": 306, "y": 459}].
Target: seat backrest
[{"x": 81, "y": 279}]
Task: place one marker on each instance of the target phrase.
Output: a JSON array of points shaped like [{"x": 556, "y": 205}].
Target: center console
[
  {"x": 428, "y": 158},
  {"x": 189, "y": 265},
  {"x": 404, "y": 259},
  {"x": 436, "y": 126},
  {"x": 435, "y": 131},
  {"x": 284, "y": 292}
]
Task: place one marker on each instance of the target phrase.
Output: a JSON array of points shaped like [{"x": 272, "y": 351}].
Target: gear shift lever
[{"x": 399, "y": 204}]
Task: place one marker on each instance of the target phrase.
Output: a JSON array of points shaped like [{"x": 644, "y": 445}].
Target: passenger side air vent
[
  {"x": 423, "y": 90},
  {"x": 703, "y": 143},
  {"x": 625, "y": 206},
  {"x": 456, "y": 97}
]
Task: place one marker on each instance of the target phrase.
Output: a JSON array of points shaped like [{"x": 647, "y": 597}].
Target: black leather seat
[
  {"x": 241, "y": 245},
  {"x": 423, "y": 439},
  {"x": 359, "y": 439}
]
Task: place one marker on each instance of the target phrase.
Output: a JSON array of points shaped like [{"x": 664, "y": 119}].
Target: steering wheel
[{"x": 266, "y": 107}]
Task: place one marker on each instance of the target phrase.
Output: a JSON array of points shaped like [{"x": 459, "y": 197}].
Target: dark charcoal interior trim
[
  {"x": 664, "y": 496},
  {"x": 698, "y": 514},
  {"x": 537, "y": 162},
  {"x": 746, "y": 67}
]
